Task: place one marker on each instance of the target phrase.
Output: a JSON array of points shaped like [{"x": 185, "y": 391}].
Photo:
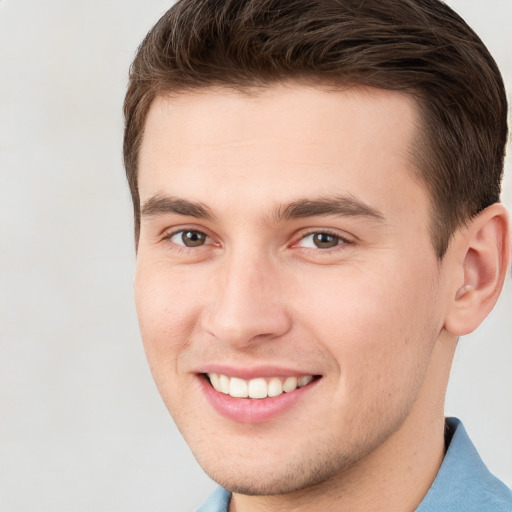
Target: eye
[
  {"x": 189, "y": 238},
  {"x": 321, "y": 240}
]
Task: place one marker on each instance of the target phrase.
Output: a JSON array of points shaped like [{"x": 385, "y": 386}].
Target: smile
[
  {"x": 257, "y": 388},
  {"x": 255, "y": 396}
]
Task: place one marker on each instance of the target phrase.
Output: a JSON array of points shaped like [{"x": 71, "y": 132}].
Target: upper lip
[{"x": 252, "y": 372}]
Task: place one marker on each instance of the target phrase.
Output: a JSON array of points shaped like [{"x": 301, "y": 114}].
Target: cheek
[
  {"x": 378, "y": 329},
  {"x": 165, "y": 315}
]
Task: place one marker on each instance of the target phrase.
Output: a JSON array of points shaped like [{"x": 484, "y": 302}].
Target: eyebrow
[
  {"x": 346, "y": 206},
  {"x": 162, "y": 205}
]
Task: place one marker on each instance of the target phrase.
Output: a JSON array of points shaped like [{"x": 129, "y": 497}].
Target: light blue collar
[{"x": 463, "y": 483}]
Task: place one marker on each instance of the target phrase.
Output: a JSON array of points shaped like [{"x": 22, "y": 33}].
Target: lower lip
[{"x": 252, "y": 410}]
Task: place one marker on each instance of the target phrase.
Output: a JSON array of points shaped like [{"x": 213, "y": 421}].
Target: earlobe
[{"x": 484, "y": 255}]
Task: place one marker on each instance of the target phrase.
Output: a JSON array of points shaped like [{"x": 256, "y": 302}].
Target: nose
[{"x": 247, "y": 304}]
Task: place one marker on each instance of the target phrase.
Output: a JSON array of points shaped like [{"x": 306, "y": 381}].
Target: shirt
[{"x": 463, "y": 483}]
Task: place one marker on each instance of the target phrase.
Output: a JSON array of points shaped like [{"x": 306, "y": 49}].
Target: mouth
[
  {"x": 258, "y": 388},
  {"x": 258, "y": 398}
]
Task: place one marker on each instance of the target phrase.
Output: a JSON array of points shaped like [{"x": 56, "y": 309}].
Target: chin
[{"x": 270, "y": 477}]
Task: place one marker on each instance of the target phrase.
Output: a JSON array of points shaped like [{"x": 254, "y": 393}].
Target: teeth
[
  {"x": 257, "y": 388},
  {"x": 238, "y": 388},
  {"x": 275, "y": 387},
  {"x": 290, "y": 384},
  {"x": 223, "y": 384},
  {"x": 215, "y": 380},
  {"x": 304, "y": 381}
]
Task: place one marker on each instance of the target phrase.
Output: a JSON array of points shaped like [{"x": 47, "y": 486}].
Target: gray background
[{"x": 81, "y": 425}]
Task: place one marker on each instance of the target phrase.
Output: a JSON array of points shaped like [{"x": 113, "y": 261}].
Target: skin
[{"x": 376, "y": 315}]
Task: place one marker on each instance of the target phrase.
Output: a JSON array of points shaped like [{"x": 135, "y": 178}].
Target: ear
[{"x": 481, "y": 251}]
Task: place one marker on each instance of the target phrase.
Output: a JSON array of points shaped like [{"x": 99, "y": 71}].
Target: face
[{"x": 287, "y": 289}]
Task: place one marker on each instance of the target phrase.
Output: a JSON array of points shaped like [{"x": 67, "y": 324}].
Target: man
[{"x": 316, "y": 195}]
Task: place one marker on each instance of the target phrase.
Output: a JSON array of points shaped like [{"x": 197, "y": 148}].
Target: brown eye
[
  {"x": 321, "y": 240},
  {"x": 325, "y": 240},
  {"x": 189, "y": 238}
]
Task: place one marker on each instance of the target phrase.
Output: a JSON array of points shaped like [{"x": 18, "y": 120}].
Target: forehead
[{"x": 278, "y": 143}]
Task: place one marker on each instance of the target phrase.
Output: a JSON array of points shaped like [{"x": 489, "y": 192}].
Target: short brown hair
[{"x": 421, "y": 47}]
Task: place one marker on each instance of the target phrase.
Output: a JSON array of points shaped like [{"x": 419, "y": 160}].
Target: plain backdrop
[{"x": 82, "y": 427}]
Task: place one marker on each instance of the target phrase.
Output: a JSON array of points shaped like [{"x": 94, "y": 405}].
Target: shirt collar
[{"x": 463, "y": 482}]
